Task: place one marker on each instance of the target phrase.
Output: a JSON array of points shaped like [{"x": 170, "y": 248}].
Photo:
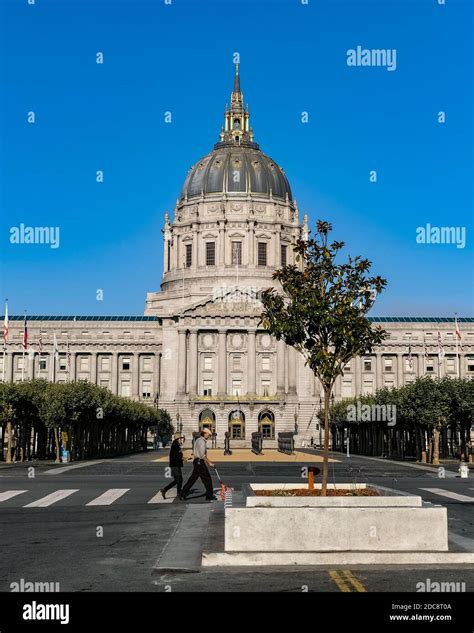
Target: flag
[
  {"x": 25, "y": 334},
  {"x": 425, "y": 350},
  {"x": 410, "y": 358},
  {"x": 55, "y": 347},
  {"x": 458, "y": 332},
  {"x": 5, "y": 326},
  {"x": 440, "y": 347}
]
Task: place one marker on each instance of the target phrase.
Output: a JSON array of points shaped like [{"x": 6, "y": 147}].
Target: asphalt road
[{"x": 116, "y": 543}]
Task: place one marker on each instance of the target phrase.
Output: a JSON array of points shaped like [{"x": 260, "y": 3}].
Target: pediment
[{"x": 228, "y": 301}]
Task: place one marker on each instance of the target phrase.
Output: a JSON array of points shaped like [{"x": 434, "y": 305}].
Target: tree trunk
[
  {"x": 435, "y": 447},
  {"x": 325, "y": 475},
  {"x": 58, "y": 447},
  {"x": 9, "y": 443}
]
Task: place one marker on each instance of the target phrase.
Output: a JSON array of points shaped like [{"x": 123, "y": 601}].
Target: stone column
[
  {"x": 222, "y": 364},
  {"x": 93, "y": 362},
  {"x": 193, "y": 362},
  {"x": 399, "y": 369},
  {"x": 357, "y": 376},
  {"x": 9, "y": 367},
  {"x": 378, "y": 371},
  {"x": 251, "y": 244},
  {"x": 135, "y": 363},
  {"x": 30, "y": 363},
  {"x": 73, "y": 367},
  {"x": 280, "y": 361},
  {"x": 252, "y": 360},
  {"x": 292, "y": 366},
  {"x": 114, "y": 366},
  {"x": 277, "y": 263},
  {"x": 181, "y": 361},
  {"x": 221, "y": 245},
  {"x": 194, "y": 255}
]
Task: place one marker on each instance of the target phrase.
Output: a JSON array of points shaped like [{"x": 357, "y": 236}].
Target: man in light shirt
[{"x": 200, "y": 467}]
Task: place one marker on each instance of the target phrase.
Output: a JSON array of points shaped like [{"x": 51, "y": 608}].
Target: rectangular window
[
  {"x": 236, "y": 386},
  {"x": 104, "y": 383},
  {"x": 388, "y": 364},
  {"x": 347, "y": 366},
  {"x": 470, "y": 364},
  {"x": 105, "y": 363},
  {"x": 407, "y": 364},
  {"x": 389, "y": 384},
  {"x": 208, "y": 363},
  {"x": 367, "y": 364},
  {"x": 147, "y": 363},
  {"x": 236, "y": 253},
  {"x": 126, "y": 364},
  {"x": 368, "y": 386},
  {"x": 283, "y": 248},
  {"x": 265, "y": 386},
  {"x": 346, "y": 388},
  {"x": 146, "y": 389},
  {"x": 125, "y": 388},
  {"x": 84, "y": 363},
  {"x": 451, "y": 365},
  {"x": 207, "y": 387},
  {"x": 265, "y": 363},
  {"x": 236, "y": 361},
  {"x": 262, "y": 254},
  {"x": 42, "y": 363},
  {"x": 62, "y": 363},
  {"x": 189, "y": 255},
  {"x": 210, "y": 254},
  {"x": 430, "y": 365}
]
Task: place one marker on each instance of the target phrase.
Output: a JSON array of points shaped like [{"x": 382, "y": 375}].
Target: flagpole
[{"x": 457, "y": 349}]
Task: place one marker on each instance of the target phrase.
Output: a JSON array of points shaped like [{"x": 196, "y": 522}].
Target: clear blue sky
[{"x": 179, "y": 58}]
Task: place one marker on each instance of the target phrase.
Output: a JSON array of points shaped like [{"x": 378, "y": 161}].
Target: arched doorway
[
  {"x": 207, "y": 420},
  {"x": 237, "y": 425},
  {"x": 266, "y": 424}
]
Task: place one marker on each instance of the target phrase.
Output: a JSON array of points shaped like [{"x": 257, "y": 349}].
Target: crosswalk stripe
[
  {"x": 449, "y": 494},
  {"x": 44, "y": 502},
  {"x": 8, "y": 494},
  {"x": 159, "y": 499},
  {"x": 107, "y": 498}
]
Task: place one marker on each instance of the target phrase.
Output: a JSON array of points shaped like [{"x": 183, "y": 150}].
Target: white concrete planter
[{"x": 391, "y": 523}]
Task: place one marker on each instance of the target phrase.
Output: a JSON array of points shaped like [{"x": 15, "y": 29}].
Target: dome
[{"x": 231, "y": 168}]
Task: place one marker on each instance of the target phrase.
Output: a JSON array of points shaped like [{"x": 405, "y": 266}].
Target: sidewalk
[{"x": 246, "y": 455}]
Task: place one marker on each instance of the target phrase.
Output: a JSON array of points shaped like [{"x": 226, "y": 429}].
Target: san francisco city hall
[{"x": 199, "y": 350}]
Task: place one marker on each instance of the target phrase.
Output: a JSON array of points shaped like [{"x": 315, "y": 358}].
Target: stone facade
[{"x": 200, "y": 351}]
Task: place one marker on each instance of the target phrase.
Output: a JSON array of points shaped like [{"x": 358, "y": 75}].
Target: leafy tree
[{"x": 320, "y": 310}]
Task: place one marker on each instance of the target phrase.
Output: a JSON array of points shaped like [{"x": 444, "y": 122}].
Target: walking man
[
  {"x": 176, "y": 464},
  {"x": 200, "y": 467}
]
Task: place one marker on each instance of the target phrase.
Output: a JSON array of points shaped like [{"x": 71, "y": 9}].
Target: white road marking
[
  {"x": 108, "y": 497},
  {"x": 44, "y": 502},
  {"x": 450, "y": 495},
  {"x": 159, "y": 499},
  {"x": 8, "y": 494},
  {"x": 64, "y": 469}
]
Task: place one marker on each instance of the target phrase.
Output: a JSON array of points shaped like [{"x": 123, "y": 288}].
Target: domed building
[
  {"x": 234, "y": 223},
  {"x": 200, "y": 351}
]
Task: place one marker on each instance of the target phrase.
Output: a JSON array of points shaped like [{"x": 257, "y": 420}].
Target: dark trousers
[
  {"x": 177, "y": 481},
  {"x": 200, "y": 471}
]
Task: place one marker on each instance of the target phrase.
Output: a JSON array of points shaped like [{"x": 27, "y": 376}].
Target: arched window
[
  {"x": 237, "y": 425},
  {"x": 237, "y": 124},
  {"x": 266, "y": 424},
  {"x": 207, "y": 420}
]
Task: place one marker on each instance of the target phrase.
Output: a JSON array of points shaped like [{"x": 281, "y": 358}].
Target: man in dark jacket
[{"x": 176, "y": 464}]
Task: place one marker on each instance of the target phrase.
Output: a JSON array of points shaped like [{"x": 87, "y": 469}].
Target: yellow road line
[
  {"x": 339, "y": 580},
  {"x": 356, "y": 583}
]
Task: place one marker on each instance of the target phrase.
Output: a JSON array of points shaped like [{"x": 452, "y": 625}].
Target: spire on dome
[{"x": 237, "y": 130}]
